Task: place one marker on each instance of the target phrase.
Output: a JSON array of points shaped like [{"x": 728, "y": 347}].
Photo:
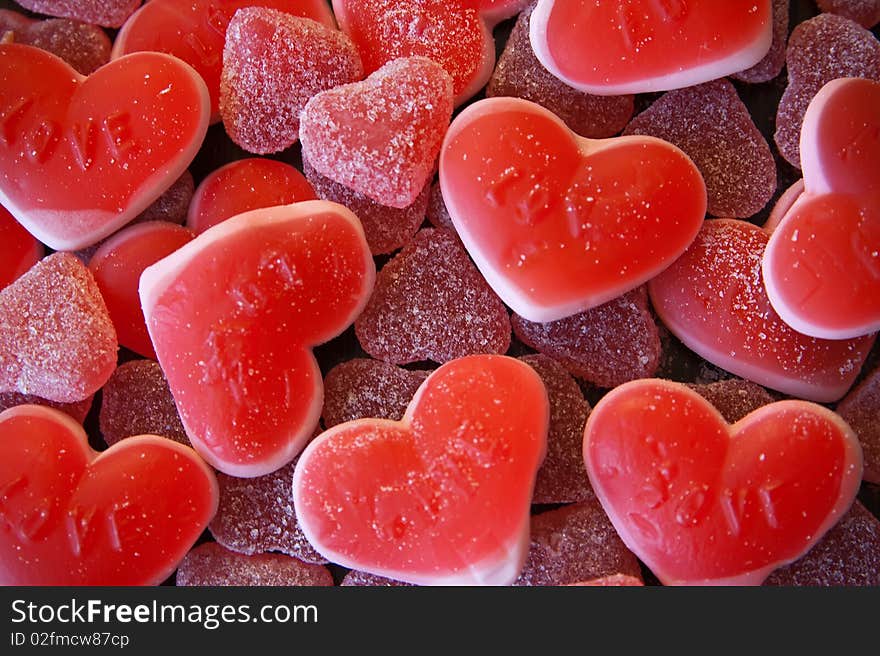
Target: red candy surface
[
  {"x": 82, "y": 157},
  {"x": 633, "y": 48},
  {"x": 774, "y": 61},
  {"x": 559, "y": 224},
  {"x": 19, "y": 251},
  {"x": 703, "y": 502},
  {"x": 713, "y": 300},
  {"x": 381, "y": 137},
  {"x": 713, "y": 127},
  {"x": 271, "y": 284},
  {"x": 78, "y": 410},
  {"x": 195, "y": 31},
  {"x": 242, "y": 186},
  {"x": 72, "y": 516},
  {"x": 109, "y": 13},
  {"x": 56, "y": 338},
  {"x": 609, "y": 345},
  {"x": 441, "y": 496},
  {"x": 430, "y": 303},
  {"x": 211, "y": 564},
  {"x": 859, "y": 409}
]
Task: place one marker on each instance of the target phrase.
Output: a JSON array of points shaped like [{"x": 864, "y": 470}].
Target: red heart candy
[
  {"x": 211, "y": 564},
  {"x": 637, "y": 47},
  {"x": 441, "y": 497},
  {"x": 713, "y": 299},
  {"x": 774, "y": 61},
  {"x": 864, "y": 12},
  {"x": 109, "y": 13},
  {"x": 558, "y": 224},
  {"x": 72, "y": 516},
  {"x": 19, "y": 251},
  {"x": 233, "y": 316},
  {"x": 81, "y": 157},
  {"x": 702, "y": 502},
  {"x": 195, "y": 31}
]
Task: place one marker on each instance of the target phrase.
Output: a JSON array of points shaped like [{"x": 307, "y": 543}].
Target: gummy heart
[
  {"x": 72, "y": 516},
  {"x": 864, "y": 12},
  {"x": 211, "y": 564},
  {"x": 702, "y": 502},
  {"x": 822, "y": 263},
  {"x": 19, "y": 251},
  {"x": 109, "y": 13},
  {"x": 558, "y": 224},
  {"x": 78, "y": 410},
  {"x": 713, "y": 299},
  {"x": 196, "y": 31},
  {"x": 81, "y": 157},
  {"x": 859, "y": 410},
  {"x": 441, "y": 497},
  {"x": 271, "y": 284},
  {"x": 773, "y": 63},
  {"x": 637, "y": 47}
]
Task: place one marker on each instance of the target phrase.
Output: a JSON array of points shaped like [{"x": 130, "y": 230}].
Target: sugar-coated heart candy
[
  {"x": 85, "y": 47},
  {"x": 430, "y": 303},
  {"x": 562, "y": 477},
  {"x": 361, "y": 388},
  {"x": 634, "y": 48},
  {"x": 558, "y": 224},
  {"x": 78, "y": 410},
  {"x": 355, "y": 578},
  {"x": 713, "y": 299},
  {"x": 848, "y": 555},
  {"x": 702, "y": 502},
  {"x": 774, "y": 61},
  {"x": 136, "y": 401},
  {"x": 56, "y": 338},
  {"x": 859, "y": 409},
  {"x": 573, "y": 544},
  {"x": 81, "y": 157},
  {"x": 256, "y": 515},
  {"x": 72, "y": 516},
  {"x": 271, "y": 284},
  {"x": 820, "y": 50},
  {"x": 19, "y": 251},
  {"x": 713, "y": 126},
  {"x": 438, "y": 215},
  {"x": 242, "y": 186},
  {"x": 441, "y": 497},
  {"x": 864, "y": 12},
  {"x": 607, "y": 346},
  {"x": 734, "y": 398},
  {"x": 386, "y": 228},
  {"x": 519, "y": 74},
  {"x": 109, "y": 13},
  {"x": 117, "y": 266},
  {"x": 381, "y": 137},
  {"x": 615, "y": 580},
  {"x": 195, "y": 31},
  {"x": 211, "y": 564},
  {"x": 273, "y": 63}
]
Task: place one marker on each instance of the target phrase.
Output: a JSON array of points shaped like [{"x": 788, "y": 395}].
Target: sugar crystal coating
[
  {"x": 861, "y": 410},
  {"x": 136, "y": 401},
  {"x": 821, "y": 49},
  {"x": 848, "y": 555},
  {"x": 562, "y": 477},
  {"x": 85, "y": 47},
  {"x": 362, "y": 388},
  {"x": 386, "y": 228},
  {"x": 734, "y": 398},
  {"x": 381, "y": 137},
  {"x": 78, "y": 410},
  {"x": 518, "y": 73},
  {"x": 356, "y": 578},
  {"x": 773, "y": 63},
  {"x": 256, "y": 515},
  {"x": 864, "y": 12},
  {"x": 573, "y": 544},
  {"x": 210, "y": 564},
  {"x": 713, "y": 127},
  {"x": 273, "y": 63},
  {"x": 438, "y": 214},
  {"x": 109, "y": 13},
  {"x": 431, "y": 303},
  {"x": 607, "y": 346},
  {"x": 56, "y": 338}
]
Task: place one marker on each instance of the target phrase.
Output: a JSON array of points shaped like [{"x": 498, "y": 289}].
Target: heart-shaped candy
[
  {"x": 233, "y": 316},
  {"x": 637, "y": 47},
  {"x": 71, "y": 516},
  {"x": 81, "y": 157},
  {"x": 108, "y": 13},
  {"x": 558, "y": 224},
  {"x": 19, "y": 251},
  {"x": 702, "y": 502},
  {"x": 441, "y": 497},
  {"x": 864, "y": 12}
]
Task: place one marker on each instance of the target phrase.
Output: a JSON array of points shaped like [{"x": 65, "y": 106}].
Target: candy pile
[{"x": 498, "y": 292}]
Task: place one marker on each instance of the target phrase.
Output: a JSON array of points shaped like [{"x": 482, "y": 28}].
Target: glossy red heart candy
[
  {"x": 558, "y": 224},
  {"x": 636, "y": 47},
  {"x": 19, "y": 251},
  {"x": 441, "y": 497},
  {"x": 71, "y": 516},
  {"x": 81, "y": 157},
  {"x": 233, "y": 316},
  {"x": 702, "y": 502}
]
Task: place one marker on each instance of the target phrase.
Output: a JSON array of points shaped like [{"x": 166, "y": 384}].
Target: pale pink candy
[
  {"x": 210, "y": 564},
  {"x": 864, "y": 12},
  {"x": 109, "y": 13},
  {"x": 773, "y": 63},
  {"x": 861, "y": 410}
]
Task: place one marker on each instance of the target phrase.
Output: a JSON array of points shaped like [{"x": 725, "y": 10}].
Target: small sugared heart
[
  {"x": 108, "y": 13},
  {"x": 702, "y": 502},
  {"x": 211, "y": 564}
]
